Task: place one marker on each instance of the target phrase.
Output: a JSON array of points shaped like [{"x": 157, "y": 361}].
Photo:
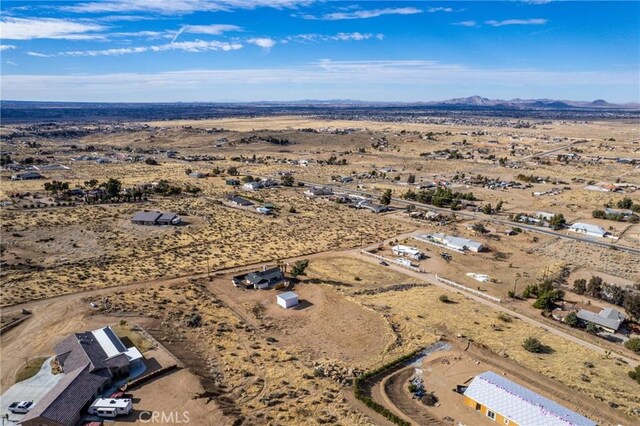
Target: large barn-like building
[{"x": 508, "y": 403}]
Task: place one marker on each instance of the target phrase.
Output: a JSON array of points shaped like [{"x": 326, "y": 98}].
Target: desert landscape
[{"x": 327, "y": 203}]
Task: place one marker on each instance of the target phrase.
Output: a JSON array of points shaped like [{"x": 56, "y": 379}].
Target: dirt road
[{"x": 431, "y": 279}]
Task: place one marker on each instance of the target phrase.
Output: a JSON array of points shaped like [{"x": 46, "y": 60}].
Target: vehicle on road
[
  {"x": 383, "y": 263},
  {"x": 21, "y": 407}
]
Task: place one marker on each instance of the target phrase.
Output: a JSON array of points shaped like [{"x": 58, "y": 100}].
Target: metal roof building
[
  {"x": 457, "y": 243},
  {"x": 497, "y": 397},
  {"x": 287, "y": 299},
  {"x": 587, "y": 228},
  {"x": 607, "y": 318}
]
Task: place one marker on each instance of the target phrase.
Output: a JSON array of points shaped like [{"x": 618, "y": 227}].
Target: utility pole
[
  {"x": 515, "y": 282},
  {"x": 208, "y": 270}
]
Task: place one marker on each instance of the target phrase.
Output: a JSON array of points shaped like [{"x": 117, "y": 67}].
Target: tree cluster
[
  {"x": 546, "y": 295},
  {"x": 598, "y": 289},
  {"x": 438, "y": 196}
]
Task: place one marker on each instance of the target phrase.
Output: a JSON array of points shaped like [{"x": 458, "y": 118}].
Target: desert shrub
[
  {"x": 443, "y": 298},
  {"x": 635, "y": 374},
  {"x": 533, "y": 345},
  {"x": 633, "y": 344},
  {"x": 504, "y": 317}
]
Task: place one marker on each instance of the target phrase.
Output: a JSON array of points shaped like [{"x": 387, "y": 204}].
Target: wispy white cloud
[
  {"x": 34, "y": 28},
  {"x": 4, "y": 47},
  {"x": 466, "y": 23},
  {"x": 264, "y": 42},
  {"x": 534, "y": 21},
  {"x": 535, "y": 1},
  {"x": 363, "y": 14},
  {"x": 177, "y": 7},
  {"x": 187, "y": 46},
  {"x": 314, "y": 38},
  {"x": 10, "y": 63},
  {"x": 214, "y": 29},
  {"x": 439, "y": 9}
]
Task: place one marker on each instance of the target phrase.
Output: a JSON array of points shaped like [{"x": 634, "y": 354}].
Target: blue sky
[{"x": 251, "y": 50}]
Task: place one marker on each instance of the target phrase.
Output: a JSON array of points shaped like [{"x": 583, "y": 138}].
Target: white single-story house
[
  {"x": 588, "y": 229},
  {"x": 252, "y": 186},
  {"x": 287, "y": 300},
  {"x": 456, "y": 243},
  {"x": 545, "y": 215},
  {"x": 407, "y": 251},
  {"x": 607, "y": 318},
  {"x": 318, "y": 191}
]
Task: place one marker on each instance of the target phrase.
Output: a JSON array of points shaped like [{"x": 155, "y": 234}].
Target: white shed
[{"x": 287, "y": 300}]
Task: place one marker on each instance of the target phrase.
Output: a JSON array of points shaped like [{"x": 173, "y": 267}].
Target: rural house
[
  {"x": 155, "y": 218},
  {"x": 27, "y": 176},
  {"x": 455, "y": 243},
  {"x": 197, "y": 175},
  {"x": 265, "y": 279},
  {"x": 92, "y": 362},
  {"x": 588, "y": 229},
  {"x": 406, "y": 251},
  {"x": 508, "y": 403},
  {"x": 607, "y": 318},
  {"x": 318, "y": 191},
  {"x": 239, "y": 201}
]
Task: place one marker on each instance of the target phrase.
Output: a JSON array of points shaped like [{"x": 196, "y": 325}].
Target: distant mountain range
[
  {"x": 469, "y": 102},
  {"x": 472, "y": 101},
  {"x": 532, "y": 103}
]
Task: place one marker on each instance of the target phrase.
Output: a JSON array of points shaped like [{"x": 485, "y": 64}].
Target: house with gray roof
[
  {"x": 91, "y": 361},
  {"x": 155, "y": 218},
  {"x": 240, "y": 201},
  {"x": 588, "y": 229},
  {"x": 27, "y": 176},
  {"x": 607, "y": 318},
  {"x": 265, "y": 279}
]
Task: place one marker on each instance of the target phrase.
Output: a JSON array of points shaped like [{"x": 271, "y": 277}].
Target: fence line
[
  {"x": 386, "y": 259},
  {"x": 467, "y": 289}
]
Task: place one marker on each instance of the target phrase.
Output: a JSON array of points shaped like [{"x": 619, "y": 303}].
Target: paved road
[{"x": 431, "y": 279}]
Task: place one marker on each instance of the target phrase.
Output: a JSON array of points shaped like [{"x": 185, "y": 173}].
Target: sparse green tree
[
  {"x": 557, "y": 221},
  {"x": 385, "y": 200},
  {"x": 299, "y": 268},
  {"x": 580, "y": 286},
  {"x": 571, "y": 319}
]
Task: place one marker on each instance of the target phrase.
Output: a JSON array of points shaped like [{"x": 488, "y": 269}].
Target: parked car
[
  {"x": 383, "y": 263},
  {"x": 21, "y": 407}
]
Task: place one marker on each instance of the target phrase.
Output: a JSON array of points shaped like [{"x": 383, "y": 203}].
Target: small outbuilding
[{"x": 287, "y": 300}]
